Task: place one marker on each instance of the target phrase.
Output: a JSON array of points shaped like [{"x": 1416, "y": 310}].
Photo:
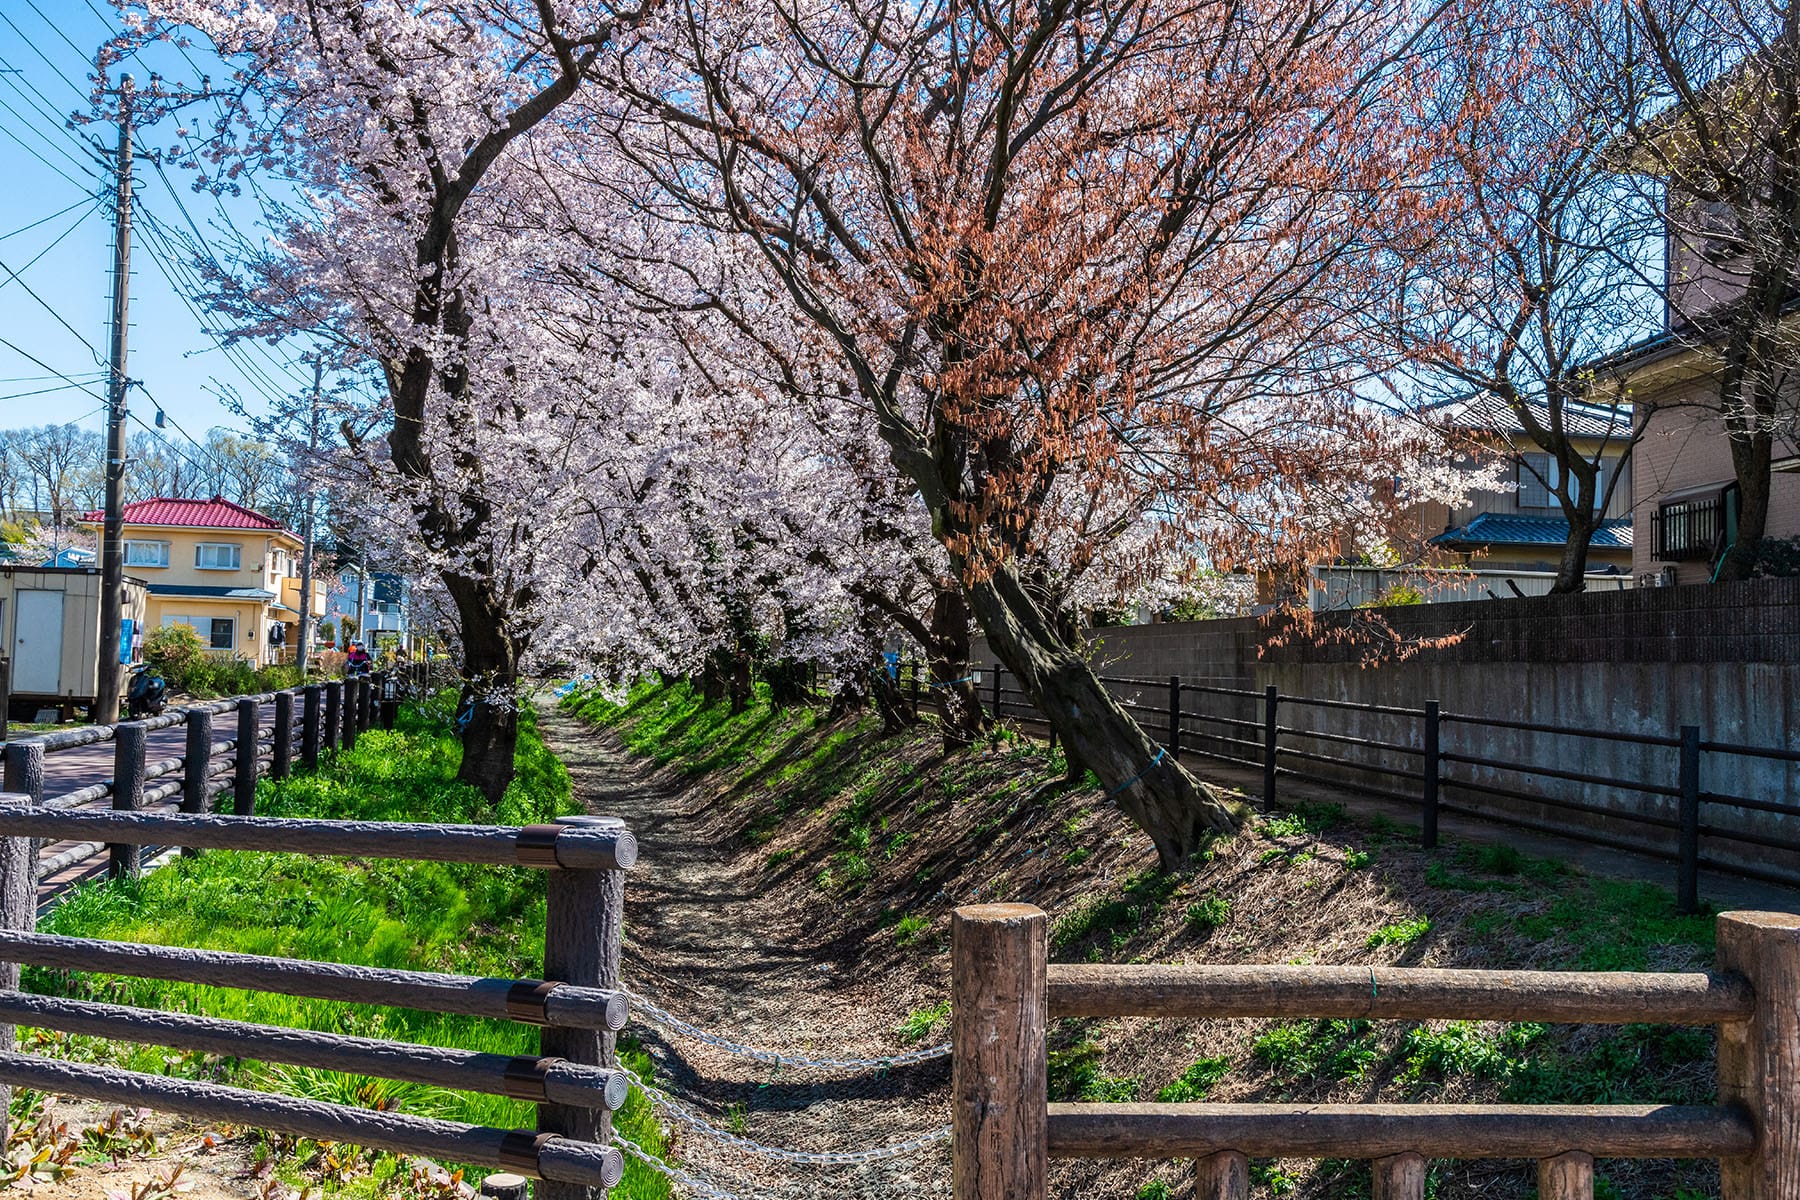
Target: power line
[
  {"x": 42, "y": 220},
  {"x": 85, "y": 187},
  {"x": 61, "y": 387},
  {"x": 32, "y": 45},
  {"x": 53, "y": 371},
  {"x": 47, "y": 308},
  {"x": 47, "y": 249}
]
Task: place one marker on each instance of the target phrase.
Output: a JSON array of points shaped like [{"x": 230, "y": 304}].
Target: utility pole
[
  {"x": 112, "y": 541},
  {"x": 306, "y": 529}
]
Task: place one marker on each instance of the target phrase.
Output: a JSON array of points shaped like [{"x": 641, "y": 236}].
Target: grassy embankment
[
  {"x": 873, "y": 840},
  {"x": 478, "y": 920}
]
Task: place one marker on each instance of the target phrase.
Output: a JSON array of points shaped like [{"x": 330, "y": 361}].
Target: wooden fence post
[
  {"x": 583, "y": 929},
  {"x": 1566, "y": 1177},
  {"x": 129, "y": 741},
  {"x": 334, "y": 709},
  {"x": 18, "y": 912},
  {"x": 195, "y": 781},
  {"x": 25, "y": 770},
  {"x": 1174, "y": 742},
  {"x": 999, "y": 1008},
  {"x": 243, "y": 779},
  {"x": 1428, "y": 813},
  {"x": 282, "y": 752},
  {"x": 352, "y": 712},
  {"x": 309, "y": 726},
  {"x": 1759, "y": 1059},
  {"x": 1222, "y": 1176},
  {"x": 370, "y": 688},
  {"x": 1687, "y": 873},
  {"x": 1398, "y": 1177},
  {"x": 997, "y": 669},
  {"x": 1271, "y": 708}
]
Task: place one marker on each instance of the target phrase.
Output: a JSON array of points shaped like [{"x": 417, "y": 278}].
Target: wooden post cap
[
  {"x": 504, "y": 1185},
  {"x": 1005, "y": 913}
]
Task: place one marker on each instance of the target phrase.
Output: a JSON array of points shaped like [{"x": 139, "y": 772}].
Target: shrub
[
  {"x": 1208, "y": 914},
  {"x": 1196, "y": 1082},
  {"x": 177, "y": 652}
]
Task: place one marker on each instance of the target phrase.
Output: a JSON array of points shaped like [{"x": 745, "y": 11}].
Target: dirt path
[{"x": 707, "y": 942}]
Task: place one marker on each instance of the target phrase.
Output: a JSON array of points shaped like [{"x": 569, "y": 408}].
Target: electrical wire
[
  {"x": 15, "y": 348},
  {"x": 31, "y": 44},
  {"x": 45, "y": 305},
  {"x": 61, "y": 387},
  {"x": 47, "y": 249},
  {"x": 86, "y": 188},
  {"x": 43, "y": 220}
]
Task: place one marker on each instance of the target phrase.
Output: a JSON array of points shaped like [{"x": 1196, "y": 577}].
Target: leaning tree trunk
[
  {"x": 1149, "y": 785},
  {"x": 897, "y": 712},
  {"x": 490, "y": 689},
  {"x": 952, "y": 679}
]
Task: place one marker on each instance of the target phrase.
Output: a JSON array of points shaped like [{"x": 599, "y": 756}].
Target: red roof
[{"x": 216, "y": 513}]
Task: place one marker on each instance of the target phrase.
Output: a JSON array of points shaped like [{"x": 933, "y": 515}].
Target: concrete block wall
[{"x": 1648, "y": 661}]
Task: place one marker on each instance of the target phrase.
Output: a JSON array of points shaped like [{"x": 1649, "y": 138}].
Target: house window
[
  {"x": 1689, "y": 529},
  {"x": 1533, "y": 492},
  {"x": 217, "y": 556},
  {"x": 146, "y": 554},
  {"x": 1535, "y": 471},
  {"x": 219, "y": 633}
]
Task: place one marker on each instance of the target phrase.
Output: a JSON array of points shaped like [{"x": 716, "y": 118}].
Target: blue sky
[{"x": 46, "y": 51}]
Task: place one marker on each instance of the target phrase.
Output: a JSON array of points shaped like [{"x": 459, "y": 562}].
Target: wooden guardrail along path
[
  {"x": 575, "y": 1080},
  {"x": 1004, "y": 991},
  {"x": 219, "y": 756}
]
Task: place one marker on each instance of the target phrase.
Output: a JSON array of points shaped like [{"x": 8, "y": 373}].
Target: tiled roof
[
  {"x": 216, "y": 513},
  {"x": 1517, "y": 529},
  {"x": 1488, "y": 413},
  {"x": 210, "y": 593}
]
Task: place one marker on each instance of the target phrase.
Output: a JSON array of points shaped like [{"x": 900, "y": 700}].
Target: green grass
[
  {"x": 1195, "y": 1083},
  {"x": 1315, "y": 1052},
  {"x": 921, "y": 1021},
  {"x": 1206, "y": 915},
  {"x": 1401, "y": 933},
  {"x": 464, "y": 918},
  {"x": 1117, "y": 918},
  {"x": 1075, "y": 1074}
]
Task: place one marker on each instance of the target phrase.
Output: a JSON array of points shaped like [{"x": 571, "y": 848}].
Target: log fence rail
[
  {"x": 575, "y": 1080},
  {"x": 1004, "y": 993},
  {"x": 332, "y": 713}
]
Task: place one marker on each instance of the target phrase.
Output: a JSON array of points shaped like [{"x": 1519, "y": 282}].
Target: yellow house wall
[{"x": 256, "y": 569}]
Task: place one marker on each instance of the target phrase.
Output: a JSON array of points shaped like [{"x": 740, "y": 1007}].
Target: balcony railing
[{"x": 1689, "y": 529}]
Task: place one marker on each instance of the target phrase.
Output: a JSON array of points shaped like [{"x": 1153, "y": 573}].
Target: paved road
[{"x": 82, "y": 766}]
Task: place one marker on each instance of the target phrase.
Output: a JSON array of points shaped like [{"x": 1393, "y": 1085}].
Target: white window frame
[
  {"x": 237, "y": 556},
  {"x": 135, "y": 543}
]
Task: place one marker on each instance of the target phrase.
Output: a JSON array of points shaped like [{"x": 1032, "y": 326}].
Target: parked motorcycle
[{"x": 148, "y": 694}]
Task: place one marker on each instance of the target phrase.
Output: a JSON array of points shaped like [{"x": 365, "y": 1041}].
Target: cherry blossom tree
[
  {"x": 400, "y": 124},
  {"x": 1080, "y": 262},
  {"x": 1529, "y": 268}
]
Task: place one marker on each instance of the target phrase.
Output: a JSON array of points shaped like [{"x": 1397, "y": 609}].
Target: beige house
[
  {"x": 230, "y": 572},
  {"x": 1522, "y": 528}
]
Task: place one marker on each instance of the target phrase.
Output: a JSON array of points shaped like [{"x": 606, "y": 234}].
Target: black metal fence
[{"x": 1552, "y": 779}]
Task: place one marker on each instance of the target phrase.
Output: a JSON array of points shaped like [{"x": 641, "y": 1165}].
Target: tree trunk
[
  {"x": 952, "y": 685},
  {"x": 1176, "y": 810},
  {"x": 896, "y": 711},
  {"x": 742, "y": 687},
  {"x": 1750, "y": 459},
  {"x": 1571, "y": 572},
  {"x": 490, "y": 689}
]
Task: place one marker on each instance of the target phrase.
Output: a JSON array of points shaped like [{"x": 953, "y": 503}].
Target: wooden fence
[
  {"x": 578, "y": 1003},
  {"x": 1558, "y": 779},
  {"x": 330, "y": 715},
  {"x": 1004, "y": 991}
]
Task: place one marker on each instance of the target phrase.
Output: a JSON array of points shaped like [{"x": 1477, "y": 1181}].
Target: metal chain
[
  {"x": 692, "y": 1183},
  {"x": 670, "y": 1021},
  {"x": 808, "y": 1158}
]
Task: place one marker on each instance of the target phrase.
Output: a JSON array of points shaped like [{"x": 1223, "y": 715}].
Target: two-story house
[
  {"x": 1687, "y": 500},
  {"x": 230, "y": 572},
  {"x": 1522, "y": 528}
]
